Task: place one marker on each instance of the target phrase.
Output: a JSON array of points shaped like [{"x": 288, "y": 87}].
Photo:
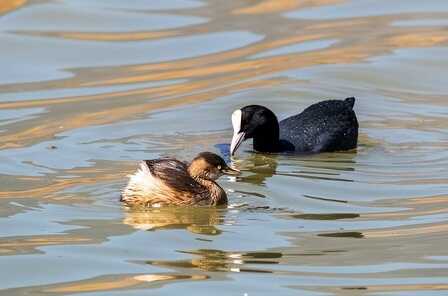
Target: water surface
[{"x": 88, "y": 88}]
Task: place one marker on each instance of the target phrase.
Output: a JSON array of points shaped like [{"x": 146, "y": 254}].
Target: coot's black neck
[{"x": 266, "y": 137}]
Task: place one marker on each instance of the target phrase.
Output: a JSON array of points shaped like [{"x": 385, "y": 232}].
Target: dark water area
[{"x": 88, "y": 88}]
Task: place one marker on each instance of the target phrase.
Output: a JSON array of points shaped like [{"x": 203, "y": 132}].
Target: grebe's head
[{"x": 210, "y": 166}]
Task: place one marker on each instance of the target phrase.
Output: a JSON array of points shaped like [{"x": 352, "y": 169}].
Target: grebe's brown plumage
[{"x": 168, "y": 181}]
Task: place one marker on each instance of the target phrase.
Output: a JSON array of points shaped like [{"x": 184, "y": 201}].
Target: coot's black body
[
  {"x": 325, "y": 126},
  {"x": 322, "y": 127}
]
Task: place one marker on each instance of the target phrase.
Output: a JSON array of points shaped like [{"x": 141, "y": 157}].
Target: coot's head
[
  {"x": 253, "y": 121},
  {"x": 210, "y": 166}
]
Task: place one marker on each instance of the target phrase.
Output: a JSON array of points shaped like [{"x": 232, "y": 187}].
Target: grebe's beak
[
  {"x": 229, "y": 171},
  {"x": 237, "y": 139}
]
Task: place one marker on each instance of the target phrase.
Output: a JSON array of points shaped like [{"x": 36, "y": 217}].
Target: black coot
[{"x": 322, "y": 127}]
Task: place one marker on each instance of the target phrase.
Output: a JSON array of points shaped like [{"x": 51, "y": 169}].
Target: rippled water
[{"x": 89, "y": 87}]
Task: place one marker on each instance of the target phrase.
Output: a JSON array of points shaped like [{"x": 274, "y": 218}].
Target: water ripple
[{"x": 89, "y": 88}]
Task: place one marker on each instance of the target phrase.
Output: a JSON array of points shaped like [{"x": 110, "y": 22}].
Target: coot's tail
[{"x": 350, "y": 102}]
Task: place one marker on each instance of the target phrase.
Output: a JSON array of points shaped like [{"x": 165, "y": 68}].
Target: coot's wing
[{"x": 325, "y": 126}]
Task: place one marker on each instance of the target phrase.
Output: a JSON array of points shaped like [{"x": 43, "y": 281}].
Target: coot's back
[{"x": 322, "y": 127}]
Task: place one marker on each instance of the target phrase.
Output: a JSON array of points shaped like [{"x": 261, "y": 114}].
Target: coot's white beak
[
  {"x": 237, "y": 139},
  {"x": 238, "y": 135}
]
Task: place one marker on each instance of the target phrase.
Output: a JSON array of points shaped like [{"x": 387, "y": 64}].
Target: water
[{"x": 87, "y": 88}]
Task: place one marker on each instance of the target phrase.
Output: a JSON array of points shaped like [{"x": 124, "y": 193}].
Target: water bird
[
  {"x": 168, "y": 181},
  {"x": 325, "y": 126}
]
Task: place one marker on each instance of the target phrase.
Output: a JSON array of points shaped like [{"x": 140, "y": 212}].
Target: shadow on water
[
  {"x": 343, "y": 234},
  {"x": 335, "y": 216}
]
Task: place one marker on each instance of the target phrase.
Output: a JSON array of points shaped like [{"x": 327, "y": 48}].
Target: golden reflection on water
[
  {"x": 195, "y": 220},
  {"x": 214, "y": 75},
  {"x": 105, "y": 284},
  {"x": 86, "y": 232},
  {"x": 415, "y": 208},
  {"x": 218, "y": 260},
  {"x": 26, "y": 245},
  {"x": 112, "y": 114},
  {"x": 51, "y": 188},
  {"x": 48, "y": 128},
  {"x": 113, "y": 37},
  {"x": 205, "y": 78},
  {"x": 276, "y": 6},
  {"x": 9, "y": 5},
  {"x": 421, "y": 206},
  {"x": 416, "y": 231},
  {"x": 409, "y": 287},
  {"x": 111, "y": 283}
]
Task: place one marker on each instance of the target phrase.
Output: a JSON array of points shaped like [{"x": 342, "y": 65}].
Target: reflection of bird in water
[
  {"x": 169, "y": 181},
  {"x": 218, "y": 260},
  {"x": 261, "y": 167},
  {"x": 195, "y": 220}
]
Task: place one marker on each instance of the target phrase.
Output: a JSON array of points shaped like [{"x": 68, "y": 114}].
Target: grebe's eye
[{"x": 219, "y": 167}]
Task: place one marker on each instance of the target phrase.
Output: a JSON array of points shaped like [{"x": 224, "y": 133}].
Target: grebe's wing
[{"x": 174, "y": 174}]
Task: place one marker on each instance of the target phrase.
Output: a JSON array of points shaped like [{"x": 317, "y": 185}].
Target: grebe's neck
[{"x": 217, "y": 194}]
